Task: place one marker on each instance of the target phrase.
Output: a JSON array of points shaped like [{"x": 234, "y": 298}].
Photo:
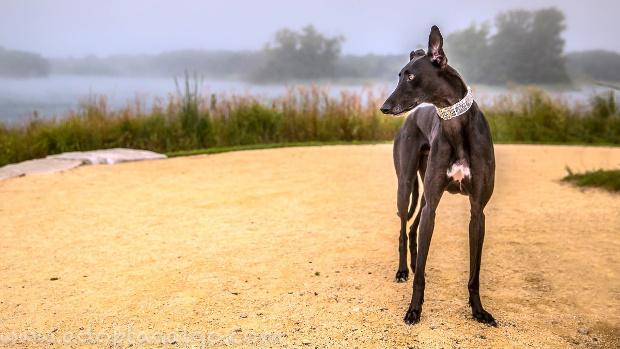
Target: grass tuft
[{"x": 606, "y": 179}]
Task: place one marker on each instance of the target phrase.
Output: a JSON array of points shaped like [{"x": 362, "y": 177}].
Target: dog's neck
[{"x": 454, "y": 91}]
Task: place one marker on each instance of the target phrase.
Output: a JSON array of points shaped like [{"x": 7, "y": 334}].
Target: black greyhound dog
[{"x": 450, "y": 145}]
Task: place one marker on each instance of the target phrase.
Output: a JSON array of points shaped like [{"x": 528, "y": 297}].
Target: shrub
[{"x": 189, "y": 121}]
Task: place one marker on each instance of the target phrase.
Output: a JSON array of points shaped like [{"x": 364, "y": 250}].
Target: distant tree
[
  {"x": 369, "y": 67},
  {"x": 510, "y": 54},
  {"x": 301, "y": 55},
  {"x": 89, "y": 65},
  {"x": 527, "y": 47},
  {"x": 598, "y": 64},
  {"x": 547, "y": 46},
  {"x": 21, "y": 64},
  {"x": 219, "y": 64},
  {"x": 468, "y": 51}
]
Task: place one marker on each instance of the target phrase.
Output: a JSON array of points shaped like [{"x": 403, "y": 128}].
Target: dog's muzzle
[
  {"x": 397, "y": 110},
  {"x": 386, "y": 108}
]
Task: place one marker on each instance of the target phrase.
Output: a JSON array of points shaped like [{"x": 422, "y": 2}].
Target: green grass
[
  {"x": 302, "y": 116},
  {"x": 606, "y": 179},
  {"x": 218, "y": 150}
]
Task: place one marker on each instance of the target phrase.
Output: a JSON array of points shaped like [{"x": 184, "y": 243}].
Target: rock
[
  {"x": 39, "y": 166},
  {"x": 67, "y": 161},
  {"x": 583, "y": 330},
  {"x": 243, "y": 315},
  {"x": 108, "y": 156},
  {"x": 305, "y": 342}
]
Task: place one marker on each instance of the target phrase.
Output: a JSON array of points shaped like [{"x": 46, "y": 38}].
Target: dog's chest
[{"x": 458, "y": 171}]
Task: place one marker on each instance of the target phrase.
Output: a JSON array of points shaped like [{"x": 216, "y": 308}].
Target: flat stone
[
  {"x": 109, "y": 156},
  {"x": 37, "y": 166},
  {"x": 67, "y": 161}
]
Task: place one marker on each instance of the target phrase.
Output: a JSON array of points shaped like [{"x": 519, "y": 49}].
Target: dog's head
[{"x": 422, "y": 80}]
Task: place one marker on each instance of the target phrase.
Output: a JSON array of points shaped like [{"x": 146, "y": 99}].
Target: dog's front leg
[{"x": 434, "y": 185}]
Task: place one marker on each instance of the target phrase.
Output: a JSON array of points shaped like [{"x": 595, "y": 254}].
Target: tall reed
[{"x": 189, "y": 120}]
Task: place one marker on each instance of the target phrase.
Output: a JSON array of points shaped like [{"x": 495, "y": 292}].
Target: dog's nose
[{"x": 385, "y": 108}]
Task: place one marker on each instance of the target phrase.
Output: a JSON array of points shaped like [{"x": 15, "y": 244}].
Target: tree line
[
  {"x": 15, "y": 64},
  {"x": 519, "y": 46},
  {"x": 527, "y": 47}
]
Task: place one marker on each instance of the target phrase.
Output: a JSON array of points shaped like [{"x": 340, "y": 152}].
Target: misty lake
[{"x": 56, "y": 95}]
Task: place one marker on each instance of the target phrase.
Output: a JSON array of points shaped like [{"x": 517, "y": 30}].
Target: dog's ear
[
  {"x": 416, "y": 53},
  {"x": 435, "y": 48}
]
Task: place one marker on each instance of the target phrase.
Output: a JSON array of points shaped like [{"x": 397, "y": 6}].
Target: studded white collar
[{"x": 460, "y": 108}]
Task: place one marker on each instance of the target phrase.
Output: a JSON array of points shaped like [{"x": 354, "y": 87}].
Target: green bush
[
  {"x": 189, "y": 121},
  {"x": 606, "y": 179},
  {"x": 534, "y": 117}
]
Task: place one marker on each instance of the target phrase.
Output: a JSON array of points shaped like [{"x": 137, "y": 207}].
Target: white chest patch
[{"x": 458, "y": 172}]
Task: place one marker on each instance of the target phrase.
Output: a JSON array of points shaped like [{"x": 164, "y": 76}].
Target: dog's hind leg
[
  {"x": 413, "y": 230},
  {"x": 415, "y": 194},
  {"x": 402, "y": 201},
  {"x": 478, "y": 200},
  {"x": 413, "y": 235}
]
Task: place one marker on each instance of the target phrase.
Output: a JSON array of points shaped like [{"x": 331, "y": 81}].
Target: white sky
[{"x": 80, "y": 27}]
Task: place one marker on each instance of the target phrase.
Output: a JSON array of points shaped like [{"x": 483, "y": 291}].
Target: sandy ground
[{"x": 298, "y": 247}]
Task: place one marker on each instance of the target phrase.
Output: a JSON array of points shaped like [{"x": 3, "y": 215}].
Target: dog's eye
[{"x": 410, "y": 77}]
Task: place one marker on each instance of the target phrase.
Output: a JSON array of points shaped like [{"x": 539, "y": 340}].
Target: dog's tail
[{"x": 415, "y": 192}]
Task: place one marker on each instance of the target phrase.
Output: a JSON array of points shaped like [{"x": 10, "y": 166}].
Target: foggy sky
[{"x": 58, "y": 28}]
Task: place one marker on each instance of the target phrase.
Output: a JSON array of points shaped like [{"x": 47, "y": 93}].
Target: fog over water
[
  {"x": 76, "y": 28},
  {"x": 19, "y": 98}
]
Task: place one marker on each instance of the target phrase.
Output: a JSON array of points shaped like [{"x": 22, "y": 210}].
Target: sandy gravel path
[{"x": 298, "y": 247}]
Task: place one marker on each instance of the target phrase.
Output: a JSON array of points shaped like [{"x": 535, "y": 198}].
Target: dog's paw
[
  {"x": 412, "y": 316},
  {"x": 402, "y": 275},
  {"x": 484, "y": 317}
]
